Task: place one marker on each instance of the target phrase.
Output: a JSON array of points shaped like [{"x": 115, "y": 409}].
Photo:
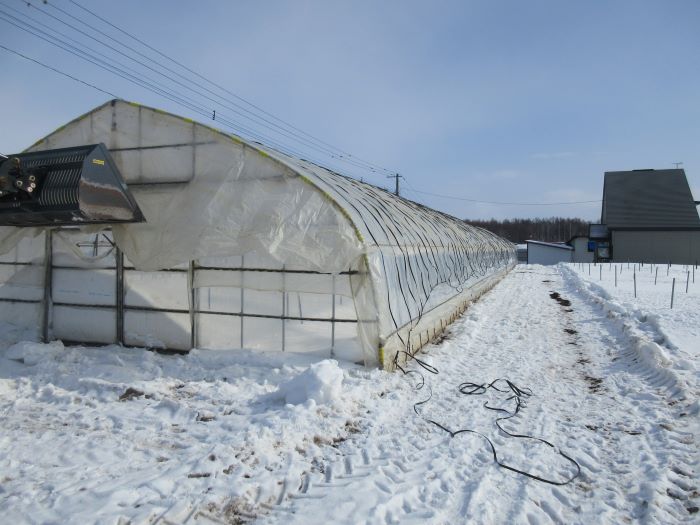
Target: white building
[{"x": 539, "y": 252}]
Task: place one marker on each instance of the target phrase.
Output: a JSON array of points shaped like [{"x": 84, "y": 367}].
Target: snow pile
[
  {"x": 30, "y": 353},
  {"x": 321, "y": 382},
  {"x": 665, "y": 340}
]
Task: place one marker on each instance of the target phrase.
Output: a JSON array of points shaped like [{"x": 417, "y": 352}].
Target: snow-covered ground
[{"x": 227, "y": 437}]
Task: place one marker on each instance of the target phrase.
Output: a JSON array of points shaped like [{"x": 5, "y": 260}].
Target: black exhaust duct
[{"x": 60, "y": 187}]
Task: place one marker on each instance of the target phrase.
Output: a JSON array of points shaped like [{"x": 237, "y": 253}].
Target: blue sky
[{"x": 515, "y": 101}]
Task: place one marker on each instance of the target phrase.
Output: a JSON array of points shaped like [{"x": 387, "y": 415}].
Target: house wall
[
  {"x": 540, "y": 254},
  {"x": 581, "y": 253},
  {"x": 678, "y": 247}
]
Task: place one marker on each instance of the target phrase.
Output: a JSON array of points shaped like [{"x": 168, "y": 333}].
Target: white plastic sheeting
[{"x": 210, "y": 198}]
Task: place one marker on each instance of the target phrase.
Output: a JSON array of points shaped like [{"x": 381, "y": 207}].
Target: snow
[
  {"x": 321, "y": 383},
  {"x": 114, "y": 435}
]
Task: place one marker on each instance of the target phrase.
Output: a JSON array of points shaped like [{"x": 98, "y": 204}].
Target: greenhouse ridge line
[{"x": 133, "y": 76}]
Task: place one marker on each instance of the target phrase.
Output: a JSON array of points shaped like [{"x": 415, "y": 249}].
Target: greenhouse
[{"x": 242, "y": 247}]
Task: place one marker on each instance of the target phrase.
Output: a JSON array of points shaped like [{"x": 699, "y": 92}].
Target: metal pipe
[
  {"x": 120, "y": 295},
  {"x": 48, "y": 285},
  {"x": 242, "y": 296},
  {"x": 284, "y": 301},
  {"x": 333, "y": 317},
  {"x": 192, "y": 304}
]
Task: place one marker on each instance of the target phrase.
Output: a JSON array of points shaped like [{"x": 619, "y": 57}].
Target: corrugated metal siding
[{"x": 649, "y": 199}]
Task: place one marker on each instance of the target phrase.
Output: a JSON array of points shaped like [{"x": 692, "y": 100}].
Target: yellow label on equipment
[{"x": 99, "y": 162}]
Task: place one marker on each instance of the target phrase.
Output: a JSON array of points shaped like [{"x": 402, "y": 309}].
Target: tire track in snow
[
  {"x": 589, "y": 399},
  {"x": 667, "y": 455}
]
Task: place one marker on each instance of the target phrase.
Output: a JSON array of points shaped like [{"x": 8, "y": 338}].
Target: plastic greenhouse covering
[{"x": 243, "y": 246}]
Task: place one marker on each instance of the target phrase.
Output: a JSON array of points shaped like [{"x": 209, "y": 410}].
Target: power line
[
  {"x": 466, "y": 199},
  {"x": 222, "y": 88},
  {"x": 57, "y": 71},
  {"x": 136, "y": 77},
  {"x": 239, "y": 110},
  {"x": 139, "y": 79}
]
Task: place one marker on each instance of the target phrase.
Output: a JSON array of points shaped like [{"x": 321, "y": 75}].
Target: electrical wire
[
  {"x": 503, "y": 203},
  {"x": 236, "y": 108},
  {"x": 141, "y": 81},
  {"x": 307, "y": 140},
  {"x": 225, "y": 90},
  {"x": 56, "y": 71}
]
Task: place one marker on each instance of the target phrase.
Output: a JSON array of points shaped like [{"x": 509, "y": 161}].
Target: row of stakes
[{"x": 651, "y": 268}]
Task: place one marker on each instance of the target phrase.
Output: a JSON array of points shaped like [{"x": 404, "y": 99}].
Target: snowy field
[{"x": 110, "y": 435}]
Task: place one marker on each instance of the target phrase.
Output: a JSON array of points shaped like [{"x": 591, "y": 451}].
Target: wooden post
[
  {"x": 656, "y": 275},
  {"x": 687, "y": 281},
  {"x": 634, "y": 278}
]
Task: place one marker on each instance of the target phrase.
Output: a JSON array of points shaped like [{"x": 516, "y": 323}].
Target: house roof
[
  {"x": 648, "y": 200},
  {"x": 551, "y": 245}
]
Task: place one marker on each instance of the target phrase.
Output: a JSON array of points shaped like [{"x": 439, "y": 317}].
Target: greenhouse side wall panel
[{"x": 83, "y": 324}]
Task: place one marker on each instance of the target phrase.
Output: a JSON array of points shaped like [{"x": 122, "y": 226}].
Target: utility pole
[
  {"x": 397, "y": 177},
  {"x": 677, "y": 164}
]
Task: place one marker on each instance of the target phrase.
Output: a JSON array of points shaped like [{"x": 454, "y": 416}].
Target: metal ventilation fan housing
[{"x": 68, "y": 186}]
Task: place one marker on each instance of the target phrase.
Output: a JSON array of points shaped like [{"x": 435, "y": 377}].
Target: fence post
[
  {"x": 656, "y": 275},
  {"x": 634, "y": 278},
  {"x": 673, "y": 290},
  {"x": 687, "y": 281}
]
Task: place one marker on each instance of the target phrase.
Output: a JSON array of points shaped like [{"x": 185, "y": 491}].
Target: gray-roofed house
[{"x": 651, "y": 216}]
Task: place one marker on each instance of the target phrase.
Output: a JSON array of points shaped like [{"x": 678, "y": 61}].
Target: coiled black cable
[{"x": 472, "y": 389}]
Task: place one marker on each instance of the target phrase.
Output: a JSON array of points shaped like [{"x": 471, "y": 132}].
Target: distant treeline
[{"x": 553, "y": 229}]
